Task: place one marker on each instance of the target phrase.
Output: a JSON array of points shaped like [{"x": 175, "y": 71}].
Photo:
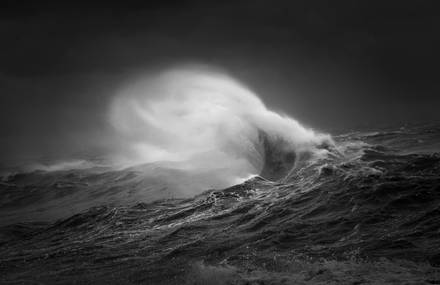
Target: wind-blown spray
[{"x": 202, "y": 120}]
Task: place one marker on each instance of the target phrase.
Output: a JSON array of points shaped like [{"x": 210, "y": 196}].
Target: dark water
[{"x": 368, "y": 214}]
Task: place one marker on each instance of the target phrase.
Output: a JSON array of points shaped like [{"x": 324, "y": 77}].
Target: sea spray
[{"x": 199, "y": 119}]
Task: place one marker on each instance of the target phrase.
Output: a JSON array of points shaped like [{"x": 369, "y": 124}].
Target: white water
[{"x": 201, "y": 120}]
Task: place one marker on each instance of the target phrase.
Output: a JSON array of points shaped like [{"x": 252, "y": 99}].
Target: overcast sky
[{"x": 329, "y": 64}]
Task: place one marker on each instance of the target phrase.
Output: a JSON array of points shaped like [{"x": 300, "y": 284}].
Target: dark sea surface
[{"x": 369, "y": 213}]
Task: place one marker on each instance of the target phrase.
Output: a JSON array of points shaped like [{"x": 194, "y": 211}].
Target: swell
[{"x": 338, "y": 219}]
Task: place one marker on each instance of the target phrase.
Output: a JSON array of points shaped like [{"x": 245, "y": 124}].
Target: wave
[{"x": 202, "y": 120}]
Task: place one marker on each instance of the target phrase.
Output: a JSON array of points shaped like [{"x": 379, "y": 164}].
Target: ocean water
[{"x": 368, "y": 212}]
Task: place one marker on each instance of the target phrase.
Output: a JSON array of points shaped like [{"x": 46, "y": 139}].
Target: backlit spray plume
[{"x": 201, "y": 120}]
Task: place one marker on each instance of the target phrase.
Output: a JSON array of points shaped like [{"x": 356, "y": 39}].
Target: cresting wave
[{"x": 203, "y": 121}]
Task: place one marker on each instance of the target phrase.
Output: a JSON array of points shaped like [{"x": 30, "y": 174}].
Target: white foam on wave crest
[{"x": 201, "y": 120}]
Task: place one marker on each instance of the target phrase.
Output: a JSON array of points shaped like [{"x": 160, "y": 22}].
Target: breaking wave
[{"x": 201, "y": 120}]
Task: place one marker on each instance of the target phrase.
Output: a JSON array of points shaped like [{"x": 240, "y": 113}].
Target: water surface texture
[{"x": 368, "y": 214}]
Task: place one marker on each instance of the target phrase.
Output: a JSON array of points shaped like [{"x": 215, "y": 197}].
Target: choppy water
[{"x": 369, "y": 213}]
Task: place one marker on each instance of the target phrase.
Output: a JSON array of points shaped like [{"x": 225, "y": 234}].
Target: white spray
[{"x": 202, "y": 121}]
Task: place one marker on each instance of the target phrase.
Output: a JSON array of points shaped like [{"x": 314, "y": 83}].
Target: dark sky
[{"x": 330, "y": 64}]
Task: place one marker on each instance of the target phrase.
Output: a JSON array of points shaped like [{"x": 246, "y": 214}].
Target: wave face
[{"x": 202, "y": 121}]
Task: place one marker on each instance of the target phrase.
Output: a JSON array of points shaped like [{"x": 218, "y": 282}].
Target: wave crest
[{"x": 203, "y": 120}]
